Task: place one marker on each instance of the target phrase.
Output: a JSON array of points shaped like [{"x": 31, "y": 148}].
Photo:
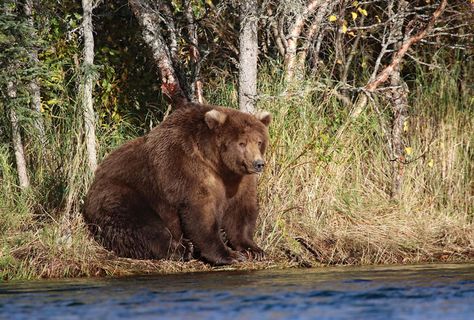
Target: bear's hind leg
[{"x": 127, "y": 225}]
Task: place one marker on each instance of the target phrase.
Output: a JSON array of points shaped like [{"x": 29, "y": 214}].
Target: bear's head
[{"x": 241, "y": 137}]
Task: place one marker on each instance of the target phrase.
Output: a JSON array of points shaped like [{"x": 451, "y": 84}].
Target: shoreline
[
  {"x": 104, "y": 264},
  {"x": 158, "y": 268}
]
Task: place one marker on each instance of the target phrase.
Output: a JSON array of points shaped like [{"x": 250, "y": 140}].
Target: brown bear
[{"x": 171, "y": 193}]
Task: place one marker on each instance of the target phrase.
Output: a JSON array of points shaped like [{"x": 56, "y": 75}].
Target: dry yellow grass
[{"x": 336, "y": 208}]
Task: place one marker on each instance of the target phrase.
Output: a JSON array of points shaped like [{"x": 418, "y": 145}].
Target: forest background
[{"x": 372, "y": 155}]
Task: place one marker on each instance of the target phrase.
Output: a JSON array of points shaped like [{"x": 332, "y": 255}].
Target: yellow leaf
[
  {"x": 408, "y": 150},
  {"x": 405, "y": 126},
  {"x": 362, "y": 11},
  {"x": 354, "y": 15},
  {"x": 431, "y": 163},
  {"x": 339, "y": 61},
  {"x": 332, "y": 18},
  {"x": 351, "y": 33},
  {"x": 52, "y": 101},
  {"x": 344, "y": 28},
  {"x": 355, "y": 3},
  {"x": 378, "y": 19}
]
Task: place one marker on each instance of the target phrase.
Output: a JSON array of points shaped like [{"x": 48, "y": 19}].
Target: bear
[{"x": 187, "y": 189}]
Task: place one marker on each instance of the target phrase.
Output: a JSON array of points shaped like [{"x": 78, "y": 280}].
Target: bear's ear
[
  {"x": 214, "y": 118},
  {"x": 265, "y": 117}
]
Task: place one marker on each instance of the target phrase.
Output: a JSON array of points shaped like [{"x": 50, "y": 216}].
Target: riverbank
[
  {"x": 324, "y": 196},
  {"x": 46, "y": 254}
]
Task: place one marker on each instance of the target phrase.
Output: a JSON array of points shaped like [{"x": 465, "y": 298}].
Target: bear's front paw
[
  {"x": 255, "y": 253},
  {"x": 239, "y": 256},
  {"x": 232, "y": 257}
]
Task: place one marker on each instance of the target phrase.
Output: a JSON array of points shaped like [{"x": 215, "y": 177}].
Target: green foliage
[
  {"x": 16, "y": 42},
  {"x": 17, "y": 66}
]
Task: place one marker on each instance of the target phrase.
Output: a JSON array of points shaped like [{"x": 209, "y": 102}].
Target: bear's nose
[{"x": 258, "y": 165}]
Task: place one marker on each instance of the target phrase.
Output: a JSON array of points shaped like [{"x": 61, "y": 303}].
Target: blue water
[{"x": 394, "y": 292}]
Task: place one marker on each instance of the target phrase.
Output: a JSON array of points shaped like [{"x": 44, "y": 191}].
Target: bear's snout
[{"x": 259, "y": 165}]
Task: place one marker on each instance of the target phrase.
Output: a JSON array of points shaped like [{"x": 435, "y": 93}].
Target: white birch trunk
[
  {"x": 88, "y": 86},
  {"x": 248, "y": 55},
  {"x": 293, "y": 36},
  {"x": 17, "y": 143}
]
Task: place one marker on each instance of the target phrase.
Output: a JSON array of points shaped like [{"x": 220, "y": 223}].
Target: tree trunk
[
  {"x": 166, "y": 14},
  {"x": 293, "y": 37},
  {"x": 33, "y": 86},
  {"x": 16, "y": 139},
  {"x": 248, "y": 55},
  {"x": 313, "y": 33},
  {"x": 275, "y": 33},
  {"x": 196, "y": 83},
  {"x": 149, "y": 21},
  {"x": 399, "y": 104},
  {"x": 88, "y": 86}
]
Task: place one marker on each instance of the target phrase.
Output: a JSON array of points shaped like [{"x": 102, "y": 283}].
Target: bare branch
[{"x": 384, "y": 74}]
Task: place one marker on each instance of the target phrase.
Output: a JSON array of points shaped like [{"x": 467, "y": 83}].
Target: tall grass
[{"x": 324, "y": 197}]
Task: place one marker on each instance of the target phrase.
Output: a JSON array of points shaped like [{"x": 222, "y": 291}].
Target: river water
[{"x": 380, "y": 292}]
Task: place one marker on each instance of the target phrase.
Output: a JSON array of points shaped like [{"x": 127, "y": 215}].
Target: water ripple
[{"x": 430, "y": 292}]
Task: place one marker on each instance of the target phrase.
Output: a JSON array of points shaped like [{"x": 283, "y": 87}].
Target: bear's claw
[{"x": 255, "y": 254}]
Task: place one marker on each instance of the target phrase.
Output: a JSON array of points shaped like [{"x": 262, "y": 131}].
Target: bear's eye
[
  {"x": 242, "y": 144},
  {"x": 260, "y": 143}
]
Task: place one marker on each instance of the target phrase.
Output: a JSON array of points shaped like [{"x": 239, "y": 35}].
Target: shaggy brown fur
[{"x": 169, "y": 193}]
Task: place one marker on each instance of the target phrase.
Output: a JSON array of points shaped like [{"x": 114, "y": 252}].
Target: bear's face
[{"x": 242, "y": 139}]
